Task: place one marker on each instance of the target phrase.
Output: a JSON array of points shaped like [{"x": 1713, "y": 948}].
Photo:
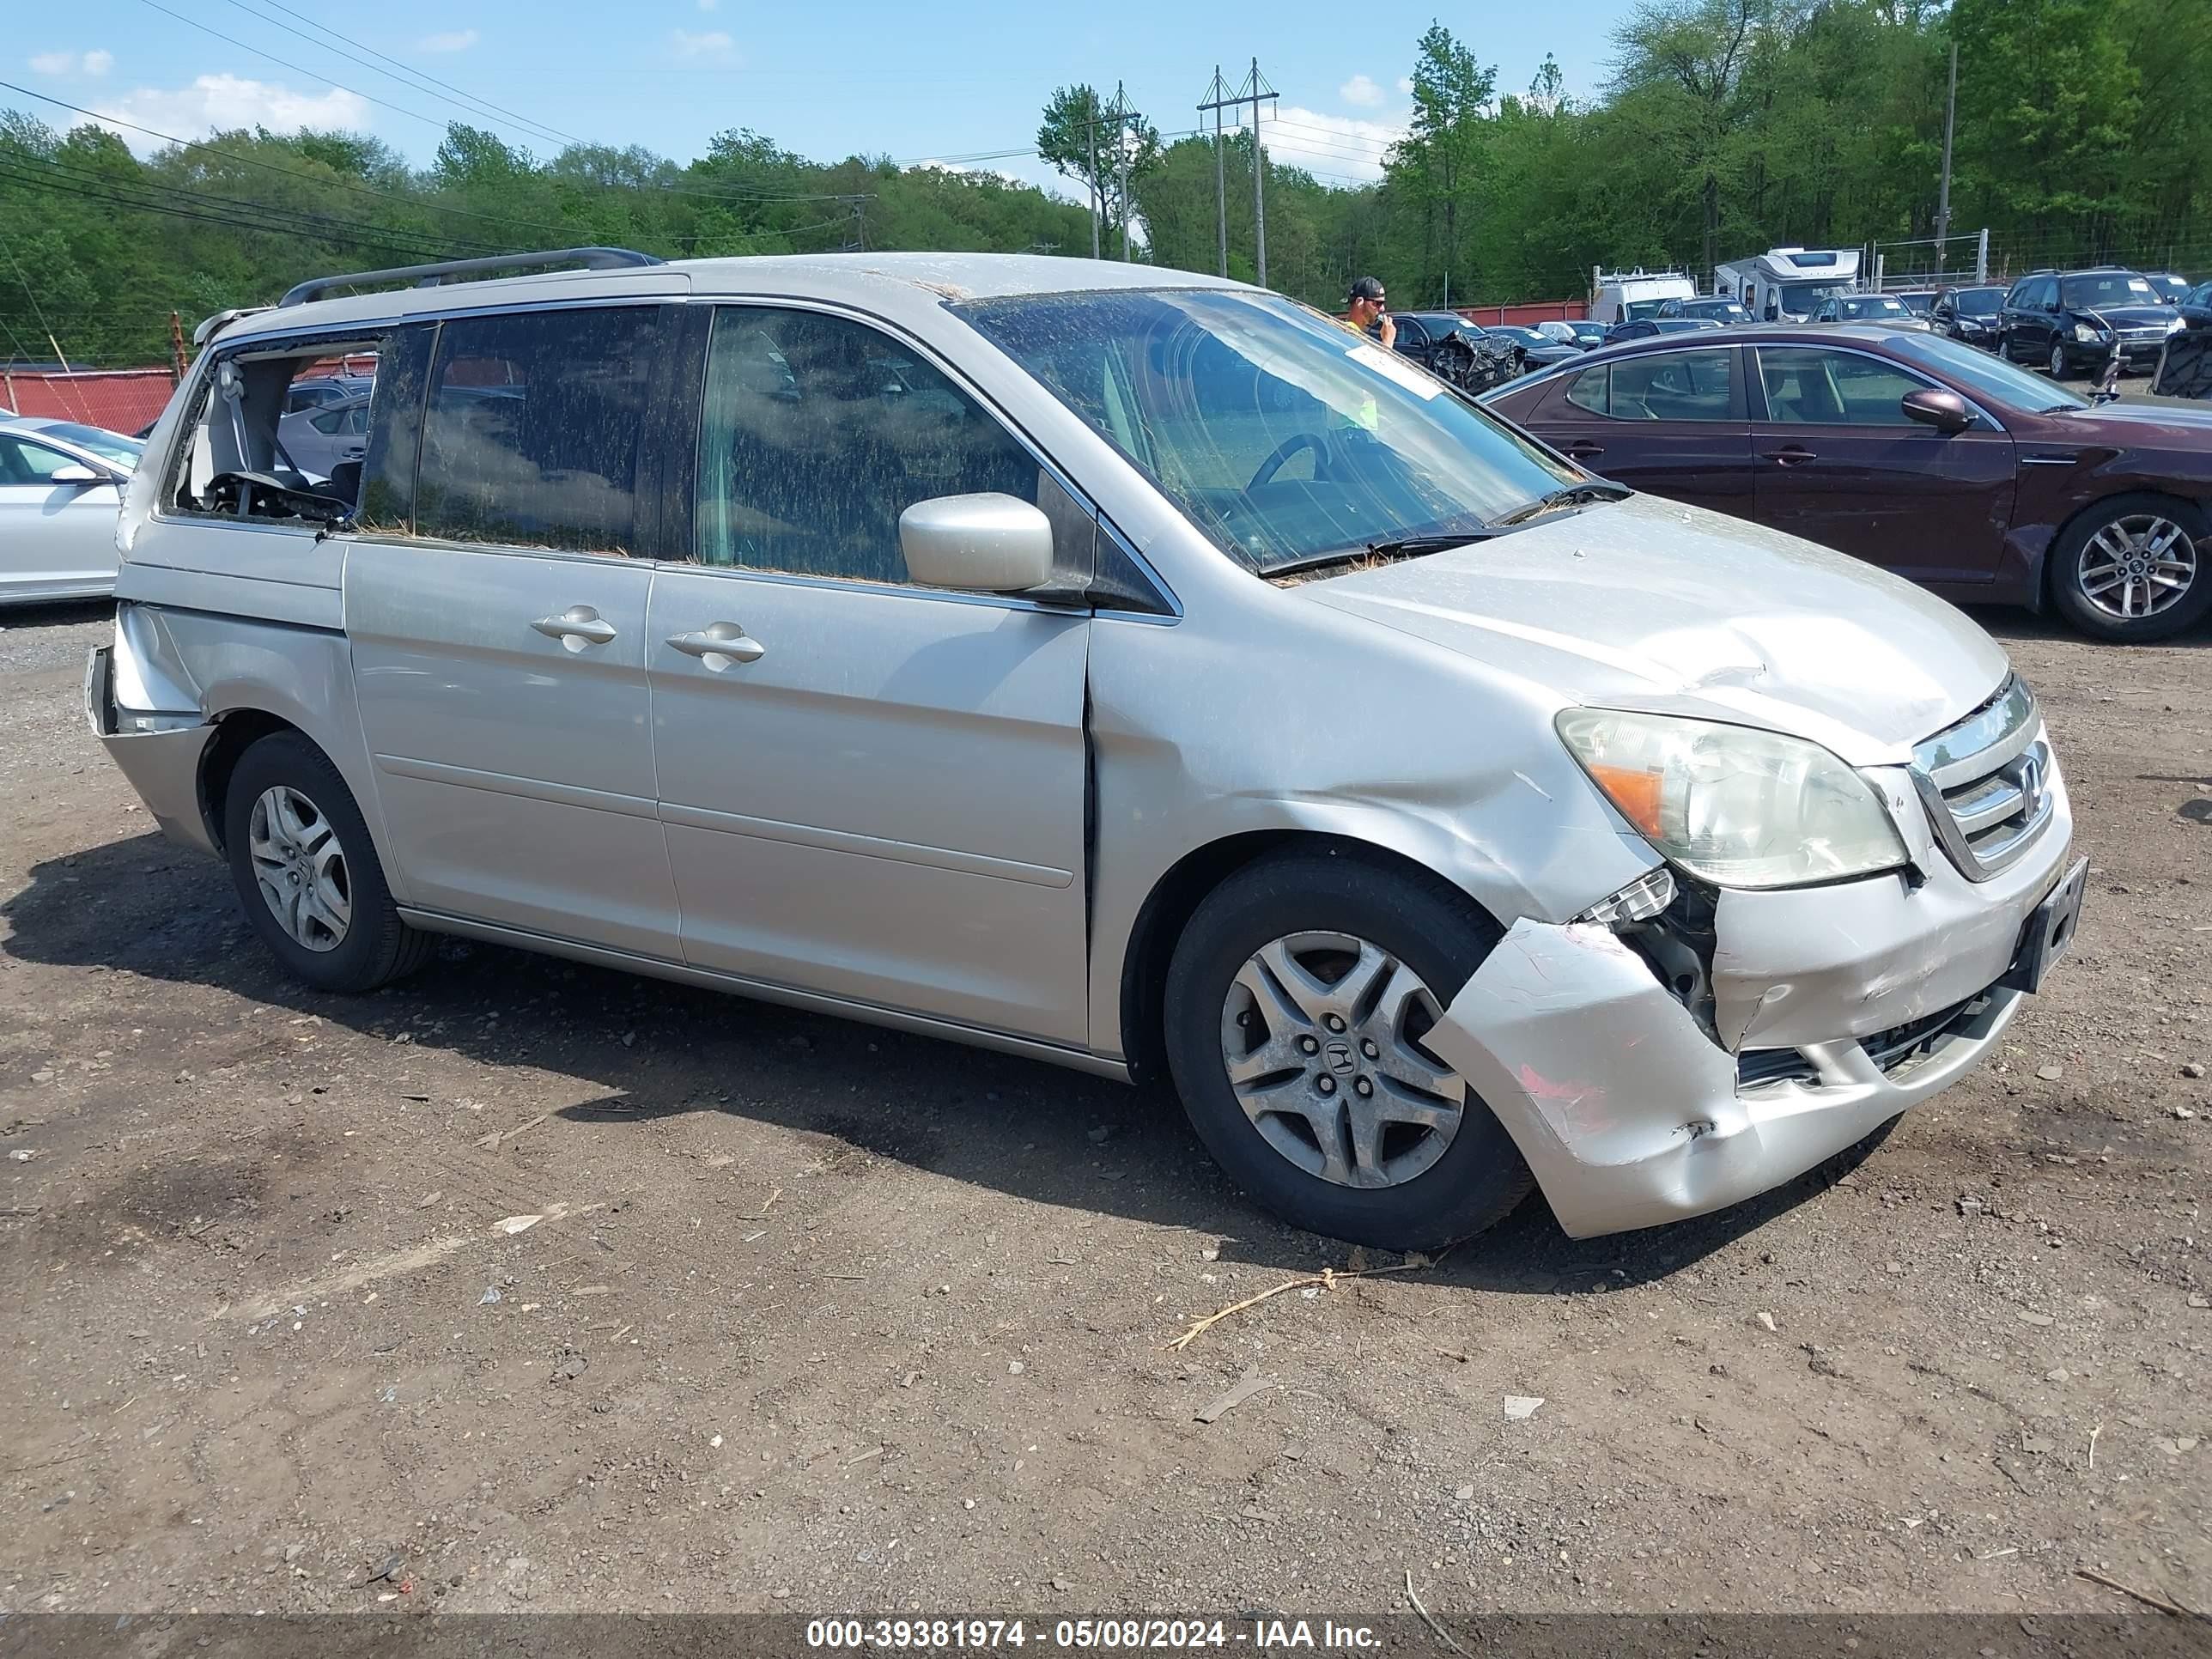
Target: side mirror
[
  {"x": 75, "y": 474},
  {"x": 977, "y": 544},
  {"x": 1946, "y": 411}
]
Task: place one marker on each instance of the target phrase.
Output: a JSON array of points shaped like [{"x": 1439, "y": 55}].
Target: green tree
[{"x": 1084, "y": 140}]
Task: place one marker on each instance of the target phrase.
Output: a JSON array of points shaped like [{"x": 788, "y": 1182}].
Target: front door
[
  {"x": 499, "y": 630},
  {"x": 1669, "y": 422},
  {"x": 57, "y": 539},
  {"x": 1839, "y": 462},
  {"x": 870, "y": 789}
]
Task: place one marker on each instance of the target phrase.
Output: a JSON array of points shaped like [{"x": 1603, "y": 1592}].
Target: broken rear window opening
[
  {"x": 1286, "y": 439},
  {"x": 238, "y": 459}
]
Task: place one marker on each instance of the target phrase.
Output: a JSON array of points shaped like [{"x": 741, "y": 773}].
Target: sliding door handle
[{"x": 720, "y": 644}]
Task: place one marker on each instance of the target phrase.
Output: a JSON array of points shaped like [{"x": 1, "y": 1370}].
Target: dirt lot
[{"x": 817, "y": 1317}]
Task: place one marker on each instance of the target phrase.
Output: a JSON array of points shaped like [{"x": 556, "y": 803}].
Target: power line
[
  {"x": 417, "y": 74},
  {"x": 297, "y": 69}
]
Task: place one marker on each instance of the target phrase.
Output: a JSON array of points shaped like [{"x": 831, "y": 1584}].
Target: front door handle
[
  {"x": 1582, "y": 449},
  {"x": 576, "y": 627},
  {"x": 718, "y": 644},
  {"x": 1793, "y": 455}
]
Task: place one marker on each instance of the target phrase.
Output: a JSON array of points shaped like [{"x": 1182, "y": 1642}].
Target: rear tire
[
  {"x": 1412, "y": 1161},
  {"x": 2126, "y": 553},
  {"x": 307, "y": 874}
]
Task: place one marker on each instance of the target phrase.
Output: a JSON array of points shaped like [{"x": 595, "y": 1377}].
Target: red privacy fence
[{"x": 120, "y": 400}]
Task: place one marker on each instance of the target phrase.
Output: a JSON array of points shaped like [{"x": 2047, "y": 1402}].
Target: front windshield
[
  {"x": 1284, "y": 437},
  {"x": 1977, "y": 301},
  {"x": 1802, "y": 299},
  {"x": 1635, "y": 310},
  {"x": 1917, "y": 304},
  {"x": 2111, "y": 287},
  {"x": 1882, "y": 307},
  {"x": 111, "y": 447},
  {"x": 1526, "y": 337},
  {"x": 1717, "y": 308},
  {"x": 1986, "y": 376}
]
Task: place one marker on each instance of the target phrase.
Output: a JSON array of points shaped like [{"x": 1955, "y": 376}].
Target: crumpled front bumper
[
  {"x": 1834, "y": 1009},
  {"x": 159, "y": 752}
]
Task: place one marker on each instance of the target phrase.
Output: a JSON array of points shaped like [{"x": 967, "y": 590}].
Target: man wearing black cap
[{"x": 1367, "y": 310}]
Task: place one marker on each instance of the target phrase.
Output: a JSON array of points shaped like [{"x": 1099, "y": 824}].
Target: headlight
[
  {"x": 2175, "y": 325},
  {"x": 2086, "y": 334},
  {"x": 1733, "y": 806}
]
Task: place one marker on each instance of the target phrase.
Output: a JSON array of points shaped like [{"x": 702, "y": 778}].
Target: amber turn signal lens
[{"x": 1635, "y": 792}]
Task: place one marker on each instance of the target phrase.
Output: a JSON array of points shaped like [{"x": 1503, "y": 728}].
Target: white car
[{"x": 61, "y": 489}]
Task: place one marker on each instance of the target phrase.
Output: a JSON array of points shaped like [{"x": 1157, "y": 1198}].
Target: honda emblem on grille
[{"x": 2031, "y": 784}]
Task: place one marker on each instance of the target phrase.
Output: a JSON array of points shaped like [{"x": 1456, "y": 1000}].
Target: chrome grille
[{"x": 1984, "y": 782}]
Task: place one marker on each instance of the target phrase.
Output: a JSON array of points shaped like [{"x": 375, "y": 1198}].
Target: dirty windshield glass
[
  {"x": 1283, "y": 436},
  {"x": 2110, "y": 288}
]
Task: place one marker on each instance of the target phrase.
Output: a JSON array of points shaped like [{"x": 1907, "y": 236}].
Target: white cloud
[
  {"x": 709, "y": 43},
  {"x": 710, "y": 5},
  {"x": 1360, "y": 90},
  {"x": 449, "y": 40},
  {"x": 1405, "y": 83},
  {"x": 1339, "y": 146},
  {"x": 53, "y": 63},
  {"x": 99, "y": 61},
  {"x": 221, "y": 102}
]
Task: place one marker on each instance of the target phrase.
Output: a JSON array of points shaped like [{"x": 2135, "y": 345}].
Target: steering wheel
[{"x": 1284, "y": 451}]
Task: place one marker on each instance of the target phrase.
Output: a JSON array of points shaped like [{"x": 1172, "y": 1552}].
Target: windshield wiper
[
  {"x": 1397, "y": 547},
  {"x": 1581, "y": 495}
]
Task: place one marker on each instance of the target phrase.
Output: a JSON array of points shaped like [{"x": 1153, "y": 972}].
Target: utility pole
[
  {"x": 1092, "y": 178},
  {"x": 1255, "y": 91},
  {"x": 1943, "y": 195},
  {"x": 1217, "y": 91},
  {"x": 1121, "y": 164}
]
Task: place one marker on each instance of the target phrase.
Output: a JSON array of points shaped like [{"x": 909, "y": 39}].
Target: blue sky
[{"x": 918, "y": 82}]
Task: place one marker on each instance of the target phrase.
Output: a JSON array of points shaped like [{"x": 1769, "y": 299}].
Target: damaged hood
[{"x": 1648, "y": 605}]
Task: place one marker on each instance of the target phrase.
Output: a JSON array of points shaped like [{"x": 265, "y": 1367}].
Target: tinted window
[
  {"x": 1672, "y": 385},
  {"x": 1589, "y": 389},
  {"x": 530, "y": 435},
  {"x": 1805, "y": 383},
  {"x": 819, "y": 432}
]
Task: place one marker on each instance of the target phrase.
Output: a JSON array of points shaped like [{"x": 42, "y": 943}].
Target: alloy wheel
[
  {"x": 1321, "y": 1033},
  {"x": 300, "y": 867},
  {"x": 2057, "y": 361},
  {"x": 2138, "y": 566}
]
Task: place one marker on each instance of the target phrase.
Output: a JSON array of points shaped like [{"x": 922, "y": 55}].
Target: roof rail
[{"x": 591, "y": 258}]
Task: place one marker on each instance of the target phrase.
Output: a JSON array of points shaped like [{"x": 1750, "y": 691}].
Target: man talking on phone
[{"x": 1368, "y": 310}]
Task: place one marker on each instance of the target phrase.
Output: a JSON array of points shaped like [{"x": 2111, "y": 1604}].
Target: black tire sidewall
[
  {"x": 2066, "y": 571},
  {"x": 1437, "y": 931},
  {"x": 365, "y": 958}
]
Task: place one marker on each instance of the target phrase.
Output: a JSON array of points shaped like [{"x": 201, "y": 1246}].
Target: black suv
[
  {"x": 1971, "y": 314},
  {"x": 2071, "y": 322}
]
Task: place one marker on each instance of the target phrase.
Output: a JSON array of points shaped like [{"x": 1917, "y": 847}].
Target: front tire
[
  {"x": 1296, "y": 1005},
  {"x": 306, "y": 873},
  {"x": 2134, "y": 569},
  {"x": 2057, "y": 364}
]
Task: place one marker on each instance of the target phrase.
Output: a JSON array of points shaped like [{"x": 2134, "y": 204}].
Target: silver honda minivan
[{"x": 1112, "y": 665}]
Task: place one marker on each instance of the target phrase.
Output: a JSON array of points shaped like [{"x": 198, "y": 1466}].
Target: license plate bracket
[{"x": 2049, "y": 932}]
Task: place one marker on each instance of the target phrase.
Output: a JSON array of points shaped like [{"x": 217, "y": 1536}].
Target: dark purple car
[{"x": 1976, "y": 478}]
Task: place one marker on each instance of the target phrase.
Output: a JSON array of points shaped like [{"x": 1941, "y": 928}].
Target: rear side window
[
  {"x": 1675, "y": 385},
  {"x": 530, "y": 431},
  {"x": 1590, "y": 389}
]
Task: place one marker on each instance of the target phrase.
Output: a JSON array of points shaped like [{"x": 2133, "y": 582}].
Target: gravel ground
[{"x": 815, "y": 1318}]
